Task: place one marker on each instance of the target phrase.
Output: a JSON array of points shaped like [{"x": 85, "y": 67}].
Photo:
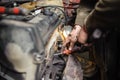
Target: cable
[{"x": 58, "y": 7}]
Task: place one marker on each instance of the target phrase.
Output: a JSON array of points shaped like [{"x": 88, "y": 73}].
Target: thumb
[{"x": 71, "y": 45}]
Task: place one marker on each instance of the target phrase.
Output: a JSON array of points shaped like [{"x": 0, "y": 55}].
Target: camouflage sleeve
[{"x": 105, "y": 16}]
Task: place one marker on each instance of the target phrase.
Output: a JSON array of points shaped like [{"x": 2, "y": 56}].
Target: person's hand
[
  {"x": 77, "y": 34},
  {"x": 82, "y": 36}
]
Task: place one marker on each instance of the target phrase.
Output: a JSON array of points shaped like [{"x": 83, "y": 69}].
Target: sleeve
[{"x": 105, "y": 15}]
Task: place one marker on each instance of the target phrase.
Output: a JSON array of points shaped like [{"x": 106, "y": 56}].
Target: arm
[{"x": 105, "y": 16}]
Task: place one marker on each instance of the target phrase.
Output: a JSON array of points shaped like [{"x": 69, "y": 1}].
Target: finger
[
  {"x": 67, "y": 40},
  {"x": 71, "y": 45}
]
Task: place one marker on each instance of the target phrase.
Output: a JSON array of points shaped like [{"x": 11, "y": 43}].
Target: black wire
[{"x": 54, "y": 6}]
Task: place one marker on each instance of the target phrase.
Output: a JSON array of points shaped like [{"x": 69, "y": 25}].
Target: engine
[{"x": 22, "y": 43}]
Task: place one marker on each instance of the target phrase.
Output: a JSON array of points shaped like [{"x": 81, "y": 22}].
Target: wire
[{"x": 58, "y": 7}]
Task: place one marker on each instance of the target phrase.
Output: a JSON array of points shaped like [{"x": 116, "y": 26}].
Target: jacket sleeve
[{"x": 106, "y": 15}]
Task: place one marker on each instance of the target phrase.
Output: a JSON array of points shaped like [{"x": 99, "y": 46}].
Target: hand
[
  {"x": 72, "y": 37},
  {"x": 77, "y": 34}
]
